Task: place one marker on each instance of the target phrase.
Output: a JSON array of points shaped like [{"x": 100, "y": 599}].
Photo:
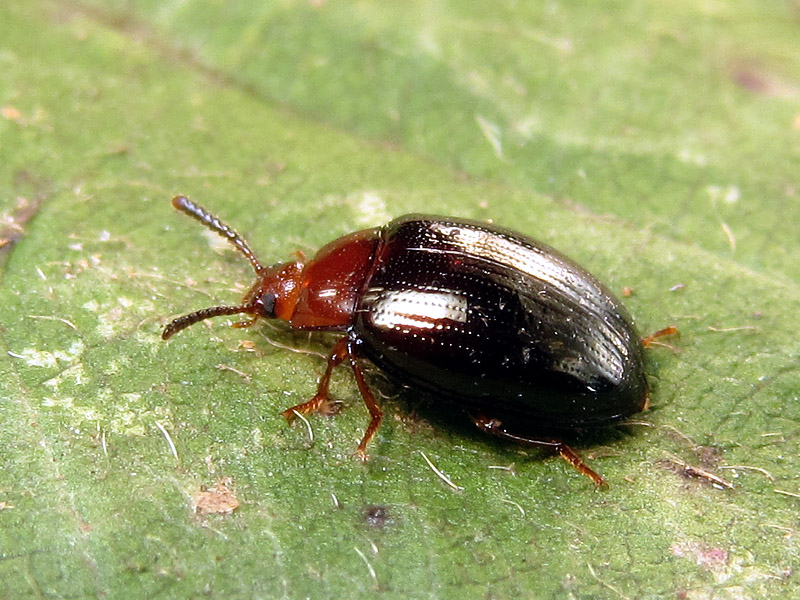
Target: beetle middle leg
[
  {"x": 321, "y": 402},
  {"x": 496, "y": 427},
  {"x": 375, "y": 412}
]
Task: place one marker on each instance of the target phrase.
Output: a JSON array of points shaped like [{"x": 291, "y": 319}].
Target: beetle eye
[{"x": 267, "y": 302}]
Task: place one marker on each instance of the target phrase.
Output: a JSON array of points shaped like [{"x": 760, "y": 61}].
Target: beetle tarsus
[
  {"x": 650, "y": 340},
  {"x": 569, "y": 455},
  {"x": 360, "y": 455},
  {"x": 321, "y": 404}
]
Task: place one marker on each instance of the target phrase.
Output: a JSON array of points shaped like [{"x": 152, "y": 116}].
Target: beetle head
[{"x": 273, "y": 295}]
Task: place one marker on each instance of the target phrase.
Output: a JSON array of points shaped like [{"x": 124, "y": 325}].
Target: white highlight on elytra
[
  {"x": 496, "y": 248},
  {"x": 604, "y": 341},
  {"x": 424, "y": 309}
]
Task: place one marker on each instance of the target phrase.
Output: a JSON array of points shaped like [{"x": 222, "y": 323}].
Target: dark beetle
[{"x": 484, "y": 317}]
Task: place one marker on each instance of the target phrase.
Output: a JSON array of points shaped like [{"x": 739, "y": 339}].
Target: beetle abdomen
[{"x": 487, "y": 317}]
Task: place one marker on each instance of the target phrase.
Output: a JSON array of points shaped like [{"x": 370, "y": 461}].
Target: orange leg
[
  {"x": 649, "y": 340},
  {"x": 375, "y": 412},
  {"x": 495, "y": 427},
  {"x": 243, "y": 324},
  {"x": 322, "y": 401}
]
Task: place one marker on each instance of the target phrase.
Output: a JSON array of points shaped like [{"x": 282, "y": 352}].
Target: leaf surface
[{"x": 657, "y": 145}]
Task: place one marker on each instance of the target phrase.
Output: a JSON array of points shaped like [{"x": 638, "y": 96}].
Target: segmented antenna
[
  {"x": 186, "y": 206},
  {"x": 201, "y": 315}
]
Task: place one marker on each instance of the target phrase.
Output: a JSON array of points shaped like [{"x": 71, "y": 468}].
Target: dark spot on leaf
[
  {"x": 751, "y": 81},
  {"x": 376, "y": 516},
  {"x": 709, "y": 456}
]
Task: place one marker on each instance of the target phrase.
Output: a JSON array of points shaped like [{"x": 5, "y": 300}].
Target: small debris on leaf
[
  {"x": 693, "y": 472},
  {"x": 219, "y": 500}
]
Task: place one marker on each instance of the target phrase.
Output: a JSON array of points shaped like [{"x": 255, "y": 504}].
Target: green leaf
[{"x": 656, "y": 144}]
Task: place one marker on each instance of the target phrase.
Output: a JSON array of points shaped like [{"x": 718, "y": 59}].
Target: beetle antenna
[
  {"x": 201, "y": 315},
  {"x": 186, "y": 206}
]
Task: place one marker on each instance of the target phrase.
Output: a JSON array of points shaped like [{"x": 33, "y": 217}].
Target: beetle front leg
[
  {"x": 321, "y": 402},
  {"x": 495, "y": 427}
]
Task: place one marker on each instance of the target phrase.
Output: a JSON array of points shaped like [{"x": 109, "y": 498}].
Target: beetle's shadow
[{"x": 446, "y": 416}]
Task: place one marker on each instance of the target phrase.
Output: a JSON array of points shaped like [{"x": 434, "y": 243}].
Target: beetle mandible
[{"x": 480, "y": 316}]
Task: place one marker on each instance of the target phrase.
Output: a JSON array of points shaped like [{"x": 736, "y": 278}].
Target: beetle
[{"x": 479, "y": 316}]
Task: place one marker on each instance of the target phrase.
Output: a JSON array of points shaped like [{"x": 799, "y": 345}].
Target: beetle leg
[
  {"x": 375, "y": 411},
  {"x": 243, "y": 324},
  {"x": 650, "y": 340},
  {"x": 495, "y": 427},
  {"x": 322, "y": 401}
]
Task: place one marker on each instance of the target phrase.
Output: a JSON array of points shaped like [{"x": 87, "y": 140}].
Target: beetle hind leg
[{"x": 496, "y": 428}]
